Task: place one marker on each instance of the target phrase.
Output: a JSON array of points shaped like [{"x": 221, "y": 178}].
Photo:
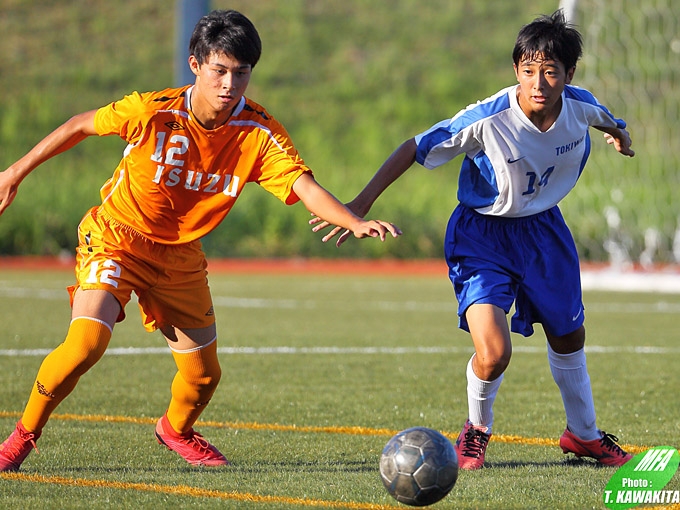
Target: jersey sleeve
[
  {"x": 281, "y": 164},
  {"x": 118, "y": 118},
  {"x": 460, "y": 134},
  {"x": 598, "y": 114}
]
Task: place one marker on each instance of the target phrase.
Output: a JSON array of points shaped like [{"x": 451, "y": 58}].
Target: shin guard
[
  {"x": 198, "y": 374},
  {"x": 85, "y": 344}
]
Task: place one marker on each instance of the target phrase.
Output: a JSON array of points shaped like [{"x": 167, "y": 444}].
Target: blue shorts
[{"x": 531, "y": 261}]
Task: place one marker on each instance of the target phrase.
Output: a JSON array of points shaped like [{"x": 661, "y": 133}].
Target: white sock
[
  {"x": 571, "y": 375},
  {"x": 481, "y": 396}
]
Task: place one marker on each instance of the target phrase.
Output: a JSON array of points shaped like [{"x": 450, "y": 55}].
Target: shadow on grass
[
  {"x": 255, "y": 467},
  {"x": 568, "y": 462},
  {"x": 308, "y": 466}
]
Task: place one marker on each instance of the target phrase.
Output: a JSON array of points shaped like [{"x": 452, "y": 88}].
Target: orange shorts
[{"x": 170, "y": 281}]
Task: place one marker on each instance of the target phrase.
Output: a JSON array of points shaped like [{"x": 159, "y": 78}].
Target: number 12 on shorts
[{"x": 110, "y": 271}]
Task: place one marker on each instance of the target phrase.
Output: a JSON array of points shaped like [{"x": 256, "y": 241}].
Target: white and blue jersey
[
  {"x": 511, "y": 168},
  {"x": 507, "y": 242}
]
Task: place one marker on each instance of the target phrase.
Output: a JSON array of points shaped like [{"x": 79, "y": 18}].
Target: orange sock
[
  {"x": 195, "y": 382},
  {"x": 85, "y": 343}
]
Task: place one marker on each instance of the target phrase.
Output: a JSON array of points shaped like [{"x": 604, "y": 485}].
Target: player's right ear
[{"x": 194, "y": 65}]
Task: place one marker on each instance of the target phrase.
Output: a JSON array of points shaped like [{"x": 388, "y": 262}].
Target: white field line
[
  {"x": 663, "y": 307},
  {"x": 284, "y": 350},
  {"x": 660, "y": 306}
]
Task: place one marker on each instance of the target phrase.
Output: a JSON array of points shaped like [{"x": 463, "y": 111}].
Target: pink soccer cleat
[
  {"x": 471, "y": 447},
  {"x": 190, "y": 446},
  {"x": 16, "y": 448},
  {"x": 604, "y": 450}
]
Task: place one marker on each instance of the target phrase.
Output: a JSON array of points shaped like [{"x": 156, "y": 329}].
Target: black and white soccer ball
[{"x": 419, "y": 466}]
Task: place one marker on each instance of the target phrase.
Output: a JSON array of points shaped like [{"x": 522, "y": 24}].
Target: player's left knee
[
  {"x": 200, "y": 368},
  {"x": 209, "y": 380},
  {"x": 569, "y": 343}
]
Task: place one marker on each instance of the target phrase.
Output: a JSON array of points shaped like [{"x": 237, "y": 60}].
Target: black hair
[
  {"x": 549, "y": 37},
  {"x": 228, "y": 32}
]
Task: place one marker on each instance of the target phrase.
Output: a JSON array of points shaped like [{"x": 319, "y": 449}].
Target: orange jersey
[{"x": 177, "y": 180}]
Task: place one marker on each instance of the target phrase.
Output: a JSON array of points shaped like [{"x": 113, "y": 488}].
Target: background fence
[{"x": 627, "y": 210}]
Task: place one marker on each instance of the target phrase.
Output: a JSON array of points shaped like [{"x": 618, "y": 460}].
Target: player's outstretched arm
[
  {"x": 399, "y": 161},
  {"x": 324, "y": 205},
  {"x": 619, "y": 138},
  {"x": 70, "y": 133}
]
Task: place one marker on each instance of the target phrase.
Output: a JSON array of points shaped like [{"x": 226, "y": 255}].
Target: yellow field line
[
  {"x": 358, "y": 431},
  {"x": 185, "y": 490}
]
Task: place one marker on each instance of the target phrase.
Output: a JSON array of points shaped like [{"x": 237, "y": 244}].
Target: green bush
[{"x": 350, "y": 80}]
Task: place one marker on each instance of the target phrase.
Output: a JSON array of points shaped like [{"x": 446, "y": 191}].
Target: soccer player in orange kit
[{"x": 190, "y": 152}]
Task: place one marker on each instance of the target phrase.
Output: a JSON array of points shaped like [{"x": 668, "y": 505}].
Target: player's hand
[
  {"x": 318, "y": 224},
  {"x": 371, "y": 228},
  {"x": 8, "y": 190},
  {"x": 621, "y": 143},
  {"x": 376, "y": 228}
]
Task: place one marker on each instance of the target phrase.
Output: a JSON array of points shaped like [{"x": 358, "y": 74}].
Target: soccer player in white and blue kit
[{"x": 506, "y": 242}]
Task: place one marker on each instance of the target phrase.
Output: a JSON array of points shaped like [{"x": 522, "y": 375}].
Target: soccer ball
[{"x": 418, "y": 466}]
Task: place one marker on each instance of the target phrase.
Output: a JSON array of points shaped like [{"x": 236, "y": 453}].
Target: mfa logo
[{"x": 642, "y": 479}]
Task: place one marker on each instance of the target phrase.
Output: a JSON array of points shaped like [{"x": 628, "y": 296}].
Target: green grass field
[{"x": 318, "y": 372}]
